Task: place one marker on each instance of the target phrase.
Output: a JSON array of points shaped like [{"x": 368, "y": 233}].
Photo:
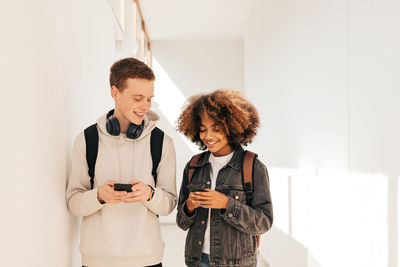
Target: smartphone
[
  {"x": 123, "y": 187},
  {"x": 197, "y": 187}
]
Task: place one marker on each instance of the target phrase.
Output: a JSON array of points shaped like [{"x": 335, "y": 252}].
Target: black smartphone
[
  {"x": 123, "y": 187},
  {"x": 197, "y": 187}
]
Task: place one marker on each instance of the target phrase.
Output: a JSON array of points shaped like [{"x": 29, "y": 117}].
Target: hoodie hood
[{"x": 150, "y": 120}]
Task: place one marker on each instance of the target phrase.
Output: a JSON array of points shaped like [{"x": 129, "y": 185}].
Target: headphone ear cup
[
  {"x": 112, "y": 126},
  {"x": 134, "y": 131}
]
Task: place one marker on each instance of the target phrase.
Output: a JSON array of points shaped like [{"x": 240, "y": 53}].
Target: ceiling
[{"x": 195, "y": 19}]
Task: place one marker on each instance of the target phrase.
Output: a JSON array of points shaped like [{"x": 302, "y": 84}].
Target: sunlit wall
[{"x": 324, "y": 76}]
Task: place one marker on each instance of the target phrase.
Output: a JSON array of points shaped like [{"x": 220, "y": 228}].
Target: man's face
[{"x": 133, "y": 102}]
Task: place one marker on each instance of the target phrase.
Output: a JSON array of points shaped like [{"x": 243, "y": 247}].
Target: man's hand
[
  {"x": 140, "y": 193},
  {"x": 106, "y": 193},
  {"x": 210, "y": 199}
]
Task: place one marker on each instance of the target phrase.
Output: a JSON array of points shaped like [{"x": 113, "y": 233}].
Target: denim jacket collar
[{"x": 235, "y": 162}]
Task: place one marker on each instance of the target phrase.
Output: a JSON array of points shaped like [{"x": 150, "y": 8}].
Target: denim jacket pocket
[
  {"x": 238, "y": 195},
  {"x": 236, "y": 192}
]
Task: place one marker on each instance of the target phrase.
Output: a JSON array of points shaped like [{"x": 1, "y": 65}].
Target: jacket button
[
  {"x": 230, "y": 215},
  {"x": 200, "y": 243},
  {"x": 203, "y": 222},
  {"x": 236, "y": 197}
]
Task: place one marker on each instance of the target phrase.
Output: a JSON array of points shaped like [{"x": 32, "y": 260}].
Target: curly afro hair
[{"x": 229, "y": 109}]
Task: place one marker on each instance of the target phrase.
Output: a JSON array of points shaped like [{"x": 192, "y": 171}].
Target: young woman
[{"x": 223, "y": 229}]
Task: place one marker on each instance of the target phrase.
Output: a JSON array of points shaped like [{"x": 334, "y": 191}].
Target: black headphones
[{"x": 112, "y": 126}]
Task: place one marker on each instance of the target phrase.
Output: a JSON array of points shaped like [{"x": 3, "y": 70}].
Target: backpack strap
[
  {"x": 193, "y": 162},
  {"x": 156, "y": 144},
  {"x": 92, "y": 147},
  {"x": 247, "y": 175}
]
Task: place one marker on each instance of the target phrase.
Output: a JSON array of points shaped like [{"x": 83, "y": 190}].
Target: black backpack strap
[
  {"x": 247, "y": 175},
  {"x": 156, "y": 144},
  {"x": 92, "y": 147}
]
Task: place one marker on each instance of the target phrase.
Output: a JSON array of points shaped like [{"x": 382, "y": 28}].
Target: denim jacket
[{"x": 233, "y": 231}]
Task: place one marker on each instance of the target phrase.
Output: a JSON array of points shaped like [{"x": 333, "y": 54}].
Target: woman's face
[{"x": 213, "y": 137}]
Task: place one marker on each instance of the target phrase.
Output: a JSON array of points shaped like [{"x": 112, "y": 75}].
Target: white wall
[
  {"x": 55, "y": 58},
  {"x": 323, "y": 76},
  {"x": 197, "y": 66},
  {"x": 374, "y": 103}
]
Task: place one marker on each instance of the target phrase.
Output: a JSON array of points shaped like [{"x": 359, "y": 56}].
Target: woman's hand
[
  {"x": 191, "y": 204},
  {"x": 210, "y": 199}
]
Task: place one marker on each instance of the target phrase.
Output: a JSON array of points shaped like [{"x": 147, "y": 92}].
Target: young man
[{"x": 121, "y": 228}]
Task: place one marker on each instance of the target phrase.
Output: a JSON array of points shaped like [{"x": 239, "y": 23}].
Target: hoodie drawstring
[
  {"x": 119, "y": 161},
  {"x": 133, "y": 157}
]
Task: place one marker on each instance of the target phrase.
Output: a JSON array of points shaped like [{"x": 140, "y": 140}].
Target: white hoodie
[{"x": 121, "y": 235}]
